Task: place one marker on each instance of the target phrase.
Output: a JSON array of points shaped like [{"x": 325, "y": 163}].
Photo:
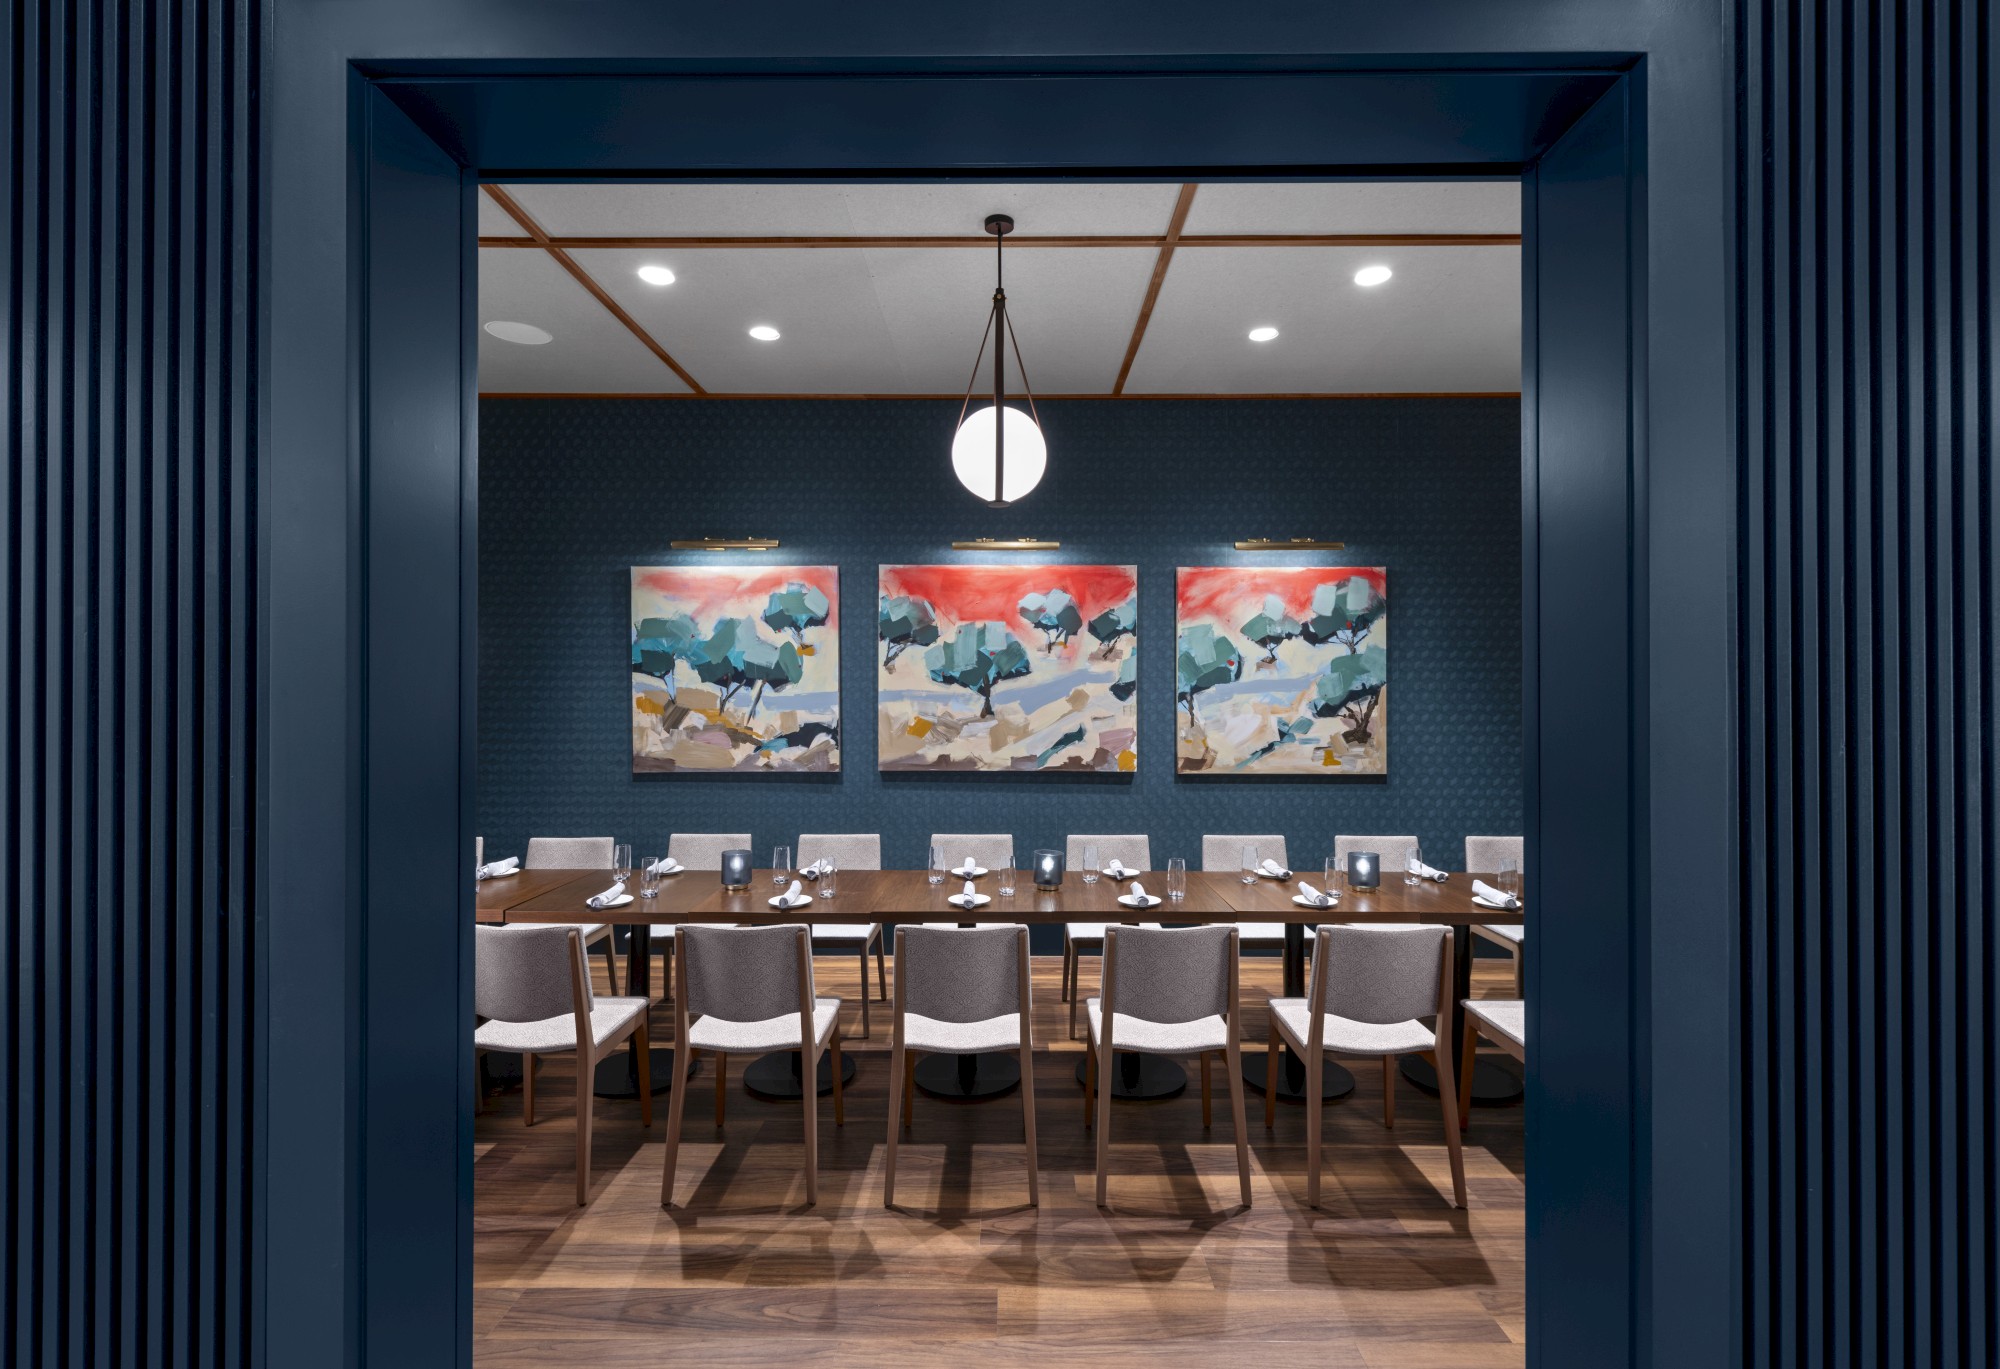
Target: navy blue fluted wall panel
[
  {"x": 129, "y": 546},
  {"x": 574, "y": 492},
  {"x": 1865, "y": 370}
]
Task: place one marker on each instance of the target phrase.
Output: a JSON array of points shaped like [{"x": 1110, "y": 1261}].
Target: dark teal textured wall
[{"x": 574, "y": 492}]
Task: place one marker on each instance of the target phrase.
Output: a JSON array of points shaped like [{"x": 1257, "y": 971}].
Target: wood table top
[
  {"x": 1448, "y": 902},
  {"x": 908, "y": 895},
  {"x": 491, "y": 898},
  {"x": 853, "y": 901},
  {"x": 567, "y": 901}
]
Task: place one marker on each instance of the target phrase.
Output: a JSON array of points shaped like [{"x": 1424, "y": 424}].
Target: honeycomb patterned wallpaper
[{"x": 572, "y": 493}]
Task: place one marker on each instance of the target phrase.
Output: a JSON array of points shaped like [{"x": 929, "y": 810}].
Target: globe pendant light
[{"x": 999, "y": 461}]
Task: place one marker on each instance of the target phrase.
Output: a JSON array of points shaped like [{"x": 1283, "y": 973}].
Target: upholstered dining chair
[
  {"x": 576, "y": 853},
  {"x": 749, "y": 990},
  {"x": 697, "y": 851},
  {"x": 531, "y": 985},
  {"x": 1504, "y": 1022},
  {"x": 1389, "y": 848},
  {"x": 994, "y": 850},
  {"x": 1166, "y": 991},
  {"x": 961, "y": 990},
  {"x": 1087, "y": 938},
  {"x": 852, "y": 851},
  {"x": 1224, "y": 855},
  {"x": 1483, "y": 856},
  {"x": 1369, "y": 986}
]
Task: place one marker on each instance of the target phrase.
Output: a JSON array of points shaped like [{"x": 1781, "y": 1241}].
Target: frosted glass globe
[{"x": 972, "y": 454}]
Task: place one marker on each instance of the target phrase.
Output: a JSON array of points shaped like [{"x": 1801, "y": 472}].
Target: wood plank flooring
[{"x": 1386, "y": 1276}]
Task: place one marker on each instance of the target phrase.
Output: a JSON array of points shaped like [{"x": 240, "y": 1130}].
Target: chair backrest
[
  {"x": 703, "y": 850},
  {"x": 1484, "y": 854},
  {"x": 527, "y": 973},
  {"x": 1389, "y": 848},
  {"x": 1378, "y": 974},
  {"x": 1134, "y": 851},
  {"x": 745, "y": 974},
  {"x": 994, "y": 850},
  {"x": 852, "y": 851},
  {"x": 478, "y": 852},
  {"x": 568, "y": 853},
  {"x": 961, "y": 974},
  {"x": 1170, "y": 974},
  {"x": 1226, "y": 853}
]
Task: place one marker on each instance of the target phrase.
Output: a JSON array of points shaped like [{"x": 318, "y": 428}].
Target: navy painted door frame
[{"x": 400, "y": 712}]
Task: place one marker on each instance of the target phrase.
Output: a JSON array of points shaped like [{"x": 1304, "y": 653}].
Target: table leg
[
  {"x": 1491, "y": 1085},
  {"x": 1335, "y": 1081},
  {"x": 618, "y": 1075},
  {"x": 962, "y": 1078},
  {"x": 778, "y": 1076}
]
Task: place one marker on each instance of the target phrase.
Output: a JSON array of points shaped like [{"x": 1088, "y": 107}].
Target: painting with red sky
[
  {"x": 1282, "y": 670},
  {"x": 735, "y": 668},
  {"x": 1025, "y": 667}
]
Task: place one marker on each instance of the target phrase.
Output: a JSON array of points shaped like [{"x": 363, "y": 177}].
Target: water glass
[
  {"x": 1413, "y": 859},
  {"x": 1090, "y": 865},
  {"x": 621, "y": 861},
  {"x": 937, "y": 865},
  {"x": 1336, "y": 871},
  {"x": 1507, "y": 879},
  {"x": 827, "y": 870},
  {"x": 1250, "y": 861},
  {"x": 1177, "y": 878},
  {"x": 1005, "y": 869},
  {"x": 649, "y": 877},
  {"x": 781, "y": 866}
]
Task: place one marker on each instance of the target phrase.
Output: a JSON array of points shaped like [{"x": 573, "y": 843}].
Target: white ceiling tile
[
  {"x": 591, "y": 352},
  {"x": 495, "y": 222},
  {"x": 1449, "y": 320},
  {"x": 1357, "y": 207}
]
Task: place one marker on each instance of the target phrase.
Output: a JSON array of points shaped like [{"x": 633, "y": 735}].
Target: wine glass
[
  {"x": 1413, "y": 860},
  {"x": 1250, "y": 861},
  {"x": 1090, "y": 865},
  {"x": 649, "y": 877},
  {"x": 1177, "y": 878},
  {"x": 781, "y": 866},
  {"x": 936, "y": 875},
  {"x": 621, "y": 861},
  {"x": 827, "y": 870}
]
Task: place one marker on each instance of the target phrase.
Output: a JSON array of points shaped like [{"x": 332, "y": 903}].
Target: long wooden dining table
[{"x": 864, "y": 896}]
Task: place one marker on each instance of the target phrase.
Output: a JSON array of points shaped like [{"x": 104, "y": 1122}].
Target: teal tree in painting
[
  {"x": 1053, "y": 614},
  {"x": 1271, "y": 629},
  {"x": 735, "y": 658},
  {"x": 1120, "y": 620},
  {"x": 1127, "y": 682},
  {"x": 795, "y": 608},
  {"x": 978, "y": 658},
  {"x": 903, "y": 622},
  {"x": 1350, "y": 690},
  {"x": 1203, "y": 661},
  {"x": 1345, "y": 612},
  {"x": 657, "y": 643}
]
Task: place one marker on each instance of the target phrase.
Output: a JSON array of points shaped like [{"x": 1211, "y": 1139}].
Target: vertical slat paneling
[
  {"x": 1865, "y": 382},
  {"x": 126, "y": 668}
]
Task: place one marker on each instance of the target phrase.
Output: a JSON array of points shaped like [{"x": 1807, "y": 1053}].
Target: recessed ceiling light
[
  {"x": 656, "y": 275},
  {"x": 527, "y": 334},
  {"x": 764, "y": 332},
  {"x": 1372, "y": 275},
  {"x": 1264, "y": 334}
]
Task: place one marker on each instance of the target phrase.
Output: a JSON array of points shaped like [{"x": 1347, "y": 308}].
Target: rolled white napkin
[
  {"x": 814, "y": 870},
  {"x": 1139, "y": 894},
  {"x": 1118, "y": 869},
  {"x": 608, "y": 897},
  {"x": 665, "y": 865},
  {"x": 966, "y": 897},
  {"x": 494, "y": 869},
  {"x": 1307, "y": 891},
  {"x": 966, "y": 867},
  {"x": 1423, "y": 871},
  {"x": 794, "y": 894},
  {"x": 1273, "y": 870},
  {"x": 1481, "y": 889}
]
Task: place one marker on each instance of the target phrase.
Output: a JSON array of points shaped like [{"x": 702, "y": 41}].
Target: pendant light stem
[{"x": 1000, "y": 330}]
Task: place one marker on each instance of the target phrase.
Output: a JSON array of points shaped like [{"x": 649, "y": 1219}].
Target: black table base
[
  {"x": 967, "y": 1078},
  {"x": 618, "y": 1075},
  {"x": 775, "y": 1077},
  {"x": 1492, "y": 1086},
  {"x": 1334, "y": 1080},
  {"x": 1133, "y": 1075}
]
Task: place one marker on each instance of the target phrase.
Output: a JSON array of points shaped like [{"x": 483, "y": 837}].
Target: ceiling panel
[
  {"x": 495, "y": 222},
  {"x": 1449, "y": 320},
  {"x": 1358, "y": 207},
  {"x": 591, "y": 353},
  {"x": 880, "y": 320},
  {"x": 795, "y": 210}
]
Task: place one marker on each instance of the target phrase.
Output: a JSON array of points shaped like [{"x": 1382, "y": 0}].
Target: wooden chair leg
[
  {"x": 1068, "y": 952},
  {"x": 909, "y": 1088},
  {"x": 810, "y": 1066},
  {"x": 1103, "y": 1135},
  {"x": 527, "y": 1090},
  {"x": 1315, "y": 1071},
  {"x": 897, "y": 1068},
  {"x": 585, "y": 1086},
  {"x": 644, "y": 1060},
  {"x": 866, "y": 1030},
  {"x": 1273, "y": 1066},
  {"x": 1075, "y": 993},
  {"x": 610, "y": 944},
  {"x": 676, "y": 1106},
  {"x": 881, "y": 971},
  {"x": 1520, "y": 974},
  {"x": 721, "y": 1086},
  {"x": 1389, "y": 1091},
  {"x": 1206, "y": 1120},
  {"x": 1470, "y": 1056},
  {"x": 1448, "y": 1088},
  {"x": 839, "y": 1106},
  {"x": 1233, "y": 1063},
  {"x": 1089, "y": 1086},
  {"x": 1028, "y": 1128}
]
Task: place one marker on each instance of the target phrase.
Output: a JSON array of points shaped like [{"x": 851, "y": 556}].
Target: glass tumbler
[
  {"x": 1177, "y": 878},
  {"x": 621, "y": 861},
  {"x": 649, "y": 877},
  {"x": 1090, "y": 865},
  {"x": 1413, "y": 859},
  {"x": 781, "y": 866},
  {"x": 1250, "y": 859},
  {"x": 1006, "y": 872},
  {"x": 827, "y": 870},
  {"x": 1508, "y": 877},
  {"x": 936, "y": 875}
]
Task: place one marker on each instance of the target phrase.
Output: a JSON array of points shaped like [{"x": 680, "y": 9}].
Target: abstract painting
[
  {"x": 735, "y": 669},
  {"x": 1282, "y": 671},
  {"x": 1016, "y": 667}
]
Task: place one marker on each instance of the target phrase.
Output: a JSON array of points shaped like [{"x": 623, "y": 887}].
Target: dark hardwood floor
[{"x": 1386, "y": 1274}]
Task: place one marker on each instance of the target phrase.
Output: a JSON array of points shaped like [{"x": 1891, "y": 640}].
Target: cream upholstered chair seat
[
  {"x": 712, "y": 1033},
  {"x": 1503, "y": 1019},
  {"x": 1345, "y": 1036},
  {"x": 608, "y": 1019},
  {"x": 1002, "y": 1033},
  {"x": 1513, "y": 933},
  {"x": 1224, "y": 854},
  {"x": 1159, "y": 1038}
]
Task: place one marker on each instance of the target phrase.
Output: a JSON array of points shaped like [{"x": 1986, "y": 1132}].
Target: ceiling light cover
[
  {"x": 1372, "y": 275},
  {"x": 764, "y": 332},
  {"x": 656, "y": 275},
  {"x": 1264, "y": 334},
  {"x": 972, "y": 454},
  {"x": 527, "y": 334}
]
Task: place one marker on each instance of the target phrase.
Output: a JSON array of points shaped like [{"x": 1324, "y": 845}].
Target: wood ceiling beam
[
  {"x": 1183, "y": 203},
  {"x": 1143, "y": 240},
  {"x": 582, "y": 277}
]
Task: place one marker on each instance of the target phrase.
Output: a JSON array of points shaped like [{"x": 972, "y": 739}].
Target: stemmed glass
[
  {"x": 1250, "y": 859},
  {"x": 649, "y": 877},
  {"x": 827, "y": 870},
  {"x": 937, "y": 865},
  {"x": 1177, "y": 878},
  {"x": 1413, "y": 858},
  {"x": 621, "y": 861},
  {"x": 1090, "y": 865},
  {"x": 781, "y": 866}
]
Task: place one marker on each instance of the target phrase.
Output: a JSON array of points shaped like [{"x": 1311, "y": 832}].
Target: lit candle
[
  {"x": 735, "y": 870},
  {"x": 1048, "y": 869},
  {"x": 1364, "y": 869}
]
